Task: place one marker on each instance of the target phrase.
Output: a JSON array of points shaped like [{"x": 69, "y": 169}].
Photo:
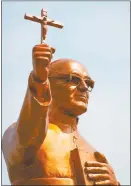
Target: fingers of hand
[
  {"x": 96, "y": 170},
  {"x": 98, "y": 177},
  {"x": 102, "y": 167},
  {"x": 53, "y": 50},
  {"x": 41, "y": 46},
  {"x": 42, "y": 58},
  {"x": 94, "y": 164},
  {"x": 99, "y": 164},
  {"x": 106, "y": 182},
  {"x": 100, "y": 173},
  {"x": 110, "y": 168},
  {"x": 42, "y": 50}
]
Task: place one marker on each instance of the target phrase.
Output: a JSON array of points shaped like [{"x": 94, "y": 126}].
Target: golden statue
[{"x": 44, "y": 146}]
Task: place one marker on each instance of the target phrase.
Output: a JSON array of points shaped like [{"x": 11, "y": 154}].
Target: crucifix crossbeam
[{"x": 44, "y": 21}]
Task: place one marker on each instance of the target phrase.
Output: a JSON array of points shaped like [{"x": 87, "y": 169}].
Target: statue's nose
[{"x": 83, "y": 86}]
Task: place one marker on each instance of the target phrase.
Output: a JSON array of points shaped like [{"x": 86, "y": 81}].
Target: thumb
[
  {"x": 100, "y": 157},
  {"x": 53, "y": 50}
]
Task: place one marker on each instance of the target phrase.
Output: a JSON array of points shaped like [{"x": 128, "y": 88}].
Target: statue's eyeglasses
[{"x": 75, "y": 80}]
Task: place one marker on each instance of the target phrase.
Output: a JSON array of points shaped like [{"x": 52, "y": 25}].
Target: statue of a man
[{"x": 37, "y": 148}]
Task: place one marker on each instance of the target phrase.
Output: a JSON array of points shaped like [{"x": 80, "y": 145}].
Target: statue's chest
[{"x": 54, "y": 154}]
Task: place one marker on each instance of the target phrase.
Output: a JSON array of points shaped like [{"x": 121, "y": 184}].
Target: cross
[{"x": 44, "y": 21}]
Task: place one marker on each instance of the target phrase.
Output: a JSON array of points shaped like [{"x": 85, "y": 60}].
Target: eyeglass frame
[{"x": 64, "y": 76}]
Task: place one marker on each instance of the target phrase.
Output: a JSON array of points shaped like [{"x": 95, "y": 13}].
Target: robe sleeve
[{"x": 32, "y": 123}]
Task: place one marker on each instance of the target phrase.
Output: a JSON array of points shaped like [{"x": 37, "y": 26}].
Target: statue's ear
[{"x": 100, "y": 157}]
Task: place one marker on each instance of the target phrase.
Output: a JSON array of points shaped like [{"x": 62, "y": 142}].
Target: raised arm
[{"x": 33, "y": 120}]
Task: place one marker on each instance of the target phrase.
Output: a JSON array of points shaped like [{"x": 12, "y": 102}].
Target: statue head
[{"x": 70, "y": 86}]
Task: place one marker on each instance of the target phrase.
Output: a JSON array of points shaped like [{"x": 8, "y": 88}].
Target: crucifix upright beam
[{"x": 44, "y": 21}]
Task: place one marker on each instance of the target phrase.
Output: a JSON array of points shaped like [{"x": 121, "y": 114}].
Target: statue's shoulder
[
  {"x": 7, "y": 140},
  {"x": 85, "y": 145},
  {"x": 8, "y": 133}
]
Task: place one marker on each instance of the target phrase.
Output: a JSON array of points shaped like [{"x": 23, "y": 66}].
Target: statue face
[{"x": 70, "y": 86}]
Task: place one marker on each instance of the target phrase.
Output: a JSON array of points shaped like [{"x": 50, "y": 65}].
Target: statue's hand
[
  {"x": 41, "y": 57},
  {"x": 100, "y": 172}
]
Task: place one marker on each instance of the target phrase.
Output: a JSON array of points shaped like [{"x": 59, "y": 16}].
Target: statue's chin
[
  {"x": 80, "y": 111},
  {"x": 78, "y": 108}
]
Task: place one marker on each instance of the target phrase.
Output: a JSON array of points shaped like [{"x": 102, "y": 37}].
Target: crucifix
[{"x": 44, "y": 21}]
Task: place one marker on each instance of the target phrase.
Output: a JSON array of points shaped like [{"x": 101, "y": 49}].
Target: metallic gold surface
[{"x": 37, "y": 148}]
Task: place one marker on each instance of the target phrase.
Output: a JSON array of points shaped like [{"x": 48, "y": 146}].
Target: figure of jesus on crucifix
[{"x": 44, "y": 146}]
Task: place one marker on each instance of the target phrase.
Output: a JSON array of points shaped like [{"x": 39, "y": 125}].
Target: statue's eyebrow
[
  {"x": 76, "y": 73},
  {"x": 88, "y": 77}
]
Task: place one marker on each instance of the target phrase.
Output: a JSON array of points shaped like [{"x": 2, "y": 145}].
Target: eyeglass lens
[{"x": 76, "y": 81}]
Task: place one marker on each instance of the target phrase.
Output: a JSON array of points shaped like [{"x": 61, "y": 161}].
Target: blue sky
[{"x": 98, "y": 35}]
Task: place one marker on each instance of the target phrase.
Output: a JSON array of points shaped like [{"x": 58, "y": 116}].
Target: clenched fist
[{"x": 41, "y": 57}]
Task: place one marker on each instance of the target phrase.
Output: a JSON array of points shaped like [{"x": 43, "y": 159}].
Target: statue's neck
[{"x": 64, "y": 120}]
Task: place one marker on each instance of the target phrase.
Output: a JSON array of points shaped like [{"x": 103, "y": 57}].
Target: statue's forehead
[
  {"x": 78, "y": 69},
  {"x": 69, "y": 67}
]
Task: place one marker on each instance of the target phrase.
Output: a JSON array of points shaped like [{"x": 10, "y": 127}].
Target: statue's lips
[{"x": 82, "y": 97}]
